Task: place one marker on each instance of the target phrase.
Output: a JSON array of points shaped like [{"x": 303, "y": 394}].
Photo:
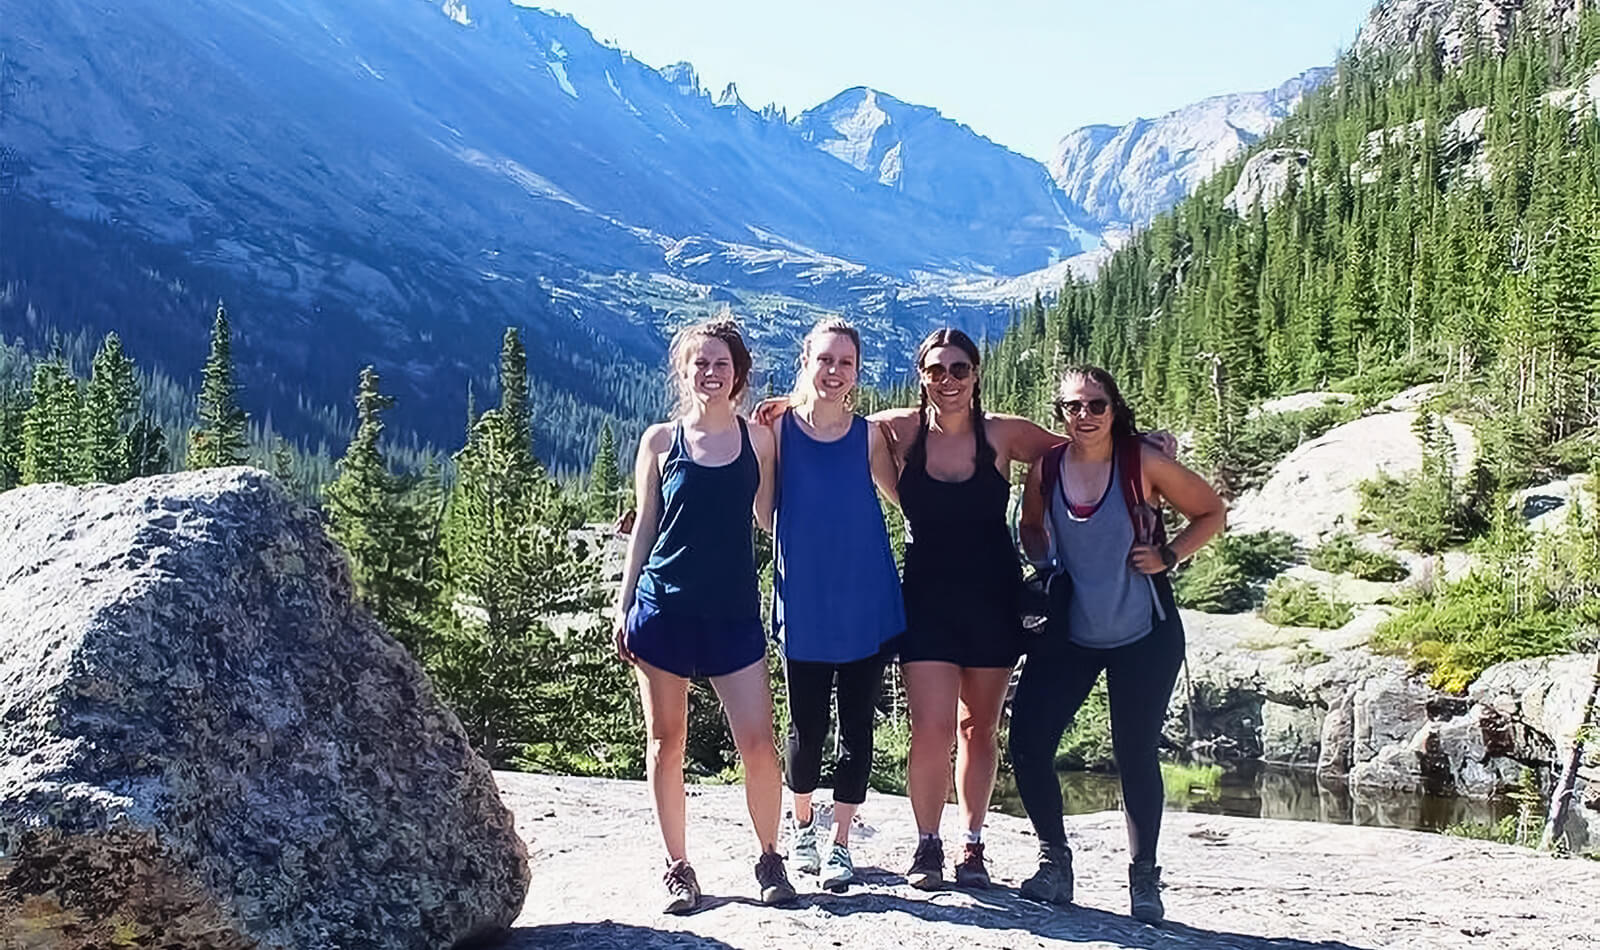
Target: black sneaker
[
  {"x": 683, "y": 890},
  {"x": 927, "y": 866},
  {"x": 773, "y": 880},
  {"x": 1144, "y": 892},
  {"x": 1052, "y": 883},
  {"x": 971, "y": 872}
]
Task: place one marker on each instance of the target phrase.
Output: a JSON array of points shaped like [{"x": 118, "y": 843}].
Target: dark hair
[
  {"x": 1122, "y": 424},
  {"x": 950, "y": 336},
  {"x": 721, "y": 328},
  {"x": 826, "y": 325}
]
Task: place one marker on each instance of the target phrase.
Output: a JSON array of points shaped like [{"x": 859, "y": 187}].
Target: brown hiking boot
[
  {"x": 927, "y": 866},
  {"x": 773, "y": 880},
  {"x": 683, "y": 890},
  {"x": 971, "y": 872}
]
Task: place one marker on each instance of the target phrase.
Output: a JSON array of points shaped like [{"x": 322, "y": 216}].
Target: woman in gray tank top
[{"x": 1091, "y": 520}]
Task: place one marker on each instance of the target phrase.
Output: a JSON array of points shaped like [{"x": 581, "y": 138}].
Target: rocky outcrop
[
  {"x": 1266, "y": 178},
  {"x": 206, "y": 744},
  {"x": 1403, "y": 24},
  {"x": 1313, "y": 492}
]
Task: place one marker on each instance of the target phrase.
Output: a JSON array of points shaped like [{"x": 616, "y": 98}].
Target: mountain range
[{"x": 394, "y": 181}]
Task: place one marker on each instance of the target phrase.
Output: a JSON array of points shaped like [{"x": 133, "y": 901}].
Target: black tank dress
[{"x": 962, "y": 576}]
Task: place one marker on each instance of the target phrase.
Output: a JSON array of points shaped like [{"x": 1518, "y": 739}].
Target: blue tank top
[
  {"x": 703, "y": 563},
  {"x": 836, "y": 593},
  {"x": 1112, "y": 604}
]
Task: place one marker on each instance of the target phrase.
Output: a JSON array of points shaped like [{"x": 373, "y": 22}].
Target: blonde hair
[
  {"x": 721, "y": 328},
  {"x": 802, "y": 389}
]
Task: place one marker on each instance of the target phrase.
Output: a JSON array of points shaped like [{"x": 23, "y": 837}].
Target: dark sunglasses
[
  {"x": 936, "y": 372},
  {"x": 1077, "y": 407}
]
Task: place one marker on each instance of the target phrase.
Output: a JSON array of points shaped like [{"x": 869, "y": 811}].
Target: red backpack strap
[
  {"x": 1130, "y": 469},
  {"x": 1050, "y": 476}
]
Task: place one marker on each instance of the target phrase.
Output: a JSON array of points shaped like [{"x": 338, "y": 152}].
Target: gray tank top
[{"x": 1112, "y": 604}]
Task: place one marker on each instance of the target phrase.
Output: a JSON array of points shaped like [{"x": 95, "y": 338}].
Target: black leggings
[
  {"x": 810, "y": 694},
  {"x": 1055, "y": 681}
]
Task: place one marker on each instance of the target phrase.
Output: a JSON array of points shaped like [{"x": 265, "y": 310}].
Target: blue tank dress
[
  {"x": 697, "y": 607},
  {"x": 836, "y": 592}
]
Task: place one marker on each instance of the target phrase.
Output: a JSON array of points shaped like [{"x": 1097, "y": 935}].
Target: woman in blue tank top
[
  {"x": 689, "y": 605},
  {"x": 1105, "y": 537},
  {"x": 837, "y": 601}
]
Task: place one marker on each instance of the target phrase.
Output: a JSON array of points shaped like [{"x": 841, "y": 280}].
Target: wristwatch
[{"x": 1169, "y": 557}]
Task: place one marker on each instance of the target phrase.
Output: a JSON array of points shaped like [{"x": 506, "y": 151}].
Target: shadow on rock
[
  {"x": 1003, "y": 909},
  {"x": 606, "y": 936}
]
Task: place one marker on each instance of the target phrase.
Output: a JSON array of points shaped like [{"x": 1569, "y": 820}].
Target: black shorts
[{"x": 976, "y": 627}]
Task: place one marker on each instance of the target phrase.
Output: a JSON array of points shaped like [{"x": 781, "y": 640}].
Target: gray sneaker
[
  {"x": 839, "y": 870},
  {"x": 773, "y": 880},
  {"x": 683, "y": 890},
  {"x": 803, "y": 847},
  {"x": 1052, "y": 883},
  {"x": 1144, "y": 892}
]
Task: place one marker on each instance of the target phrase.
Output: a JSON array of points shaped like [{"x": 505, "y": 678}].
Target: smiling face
[
  {"x": 707, "y": 371},
  {"x": 948, "y": 377},
  {"x": 1085, "y": 407},
  {"x": 831, "y": 365}
]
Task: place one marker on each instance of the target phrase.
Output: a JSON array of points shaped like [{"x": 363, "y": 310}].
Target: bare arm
[
  {"x": 766, "y": 453},
  {"x": 885, "y": 474},
  {"x": 1020, "y": 440},
  {"x": 900, "y": 428},
  {"x": 1194, "y": 498},
  {"x": 1031, "y": 528},
  {"x": 647, "y": 502}
]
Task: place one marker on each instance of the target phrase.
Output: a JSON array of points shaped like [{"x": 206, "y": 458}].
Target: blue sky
[{"x": 1022, "y": 72}]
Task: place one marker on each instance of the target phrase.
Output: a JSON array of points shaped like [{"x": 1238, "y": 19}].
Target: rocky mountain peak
[{"x": 1402, "y": 24}]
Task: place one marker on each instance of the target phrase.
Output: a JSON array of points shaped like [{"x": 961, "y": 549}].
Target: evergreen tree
[
  {"x": 605, "y": 480},
  {"x": 147, "y": 449},
  {"x": 50, "y": 440},
  {"x": 220, "y": 438},
  {"x": 516, "y": 414},
  {"x": 110, "y": 406},
  {"x": 13, "y": 407}
]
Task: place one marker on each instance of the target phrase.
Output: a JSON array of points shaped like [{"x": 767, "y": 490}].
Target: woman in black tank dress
[{"x": 960, "y": 584}]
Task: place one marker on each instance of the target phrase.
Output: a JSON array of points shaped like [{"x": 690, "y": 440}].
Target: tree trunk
[{"x": 1561, "y": 796}]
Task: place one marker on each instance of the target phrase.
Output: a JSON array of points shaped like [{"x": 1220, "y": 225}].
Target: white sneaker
[
  {"x": 803, "y": 847},
  {"x": 839, "y": 870}
]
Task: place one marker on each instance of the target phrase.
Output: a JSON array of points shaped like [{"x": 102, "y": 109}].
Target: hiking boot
[
  {"x": 839, "y": 870},
  {"x": 774, "y": 882},
  {"x": 1052, "y": 883},
  {"x": 971, "y": 872},
  {"x": 683, "y": 890},
  {"x": 927, "y": 866},
  {"x": 803, "y": 847},
  {"x": 1144, "y": 892}
]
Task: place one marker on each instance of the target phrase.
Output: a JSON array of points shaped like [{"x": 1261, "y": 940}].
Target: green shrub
[
  {"x": 1427, "y": 511},
  {"x": 1387, "y": 379},
  {"x": 1343, "y": 554},
  {"x": 1292, "y": 603},
  {"x": 1087, "y": 743},
  {"x": 891, "y": 748},
  {"x": 1264, "y": 440},
  {"x": 1225, "y": 577}
]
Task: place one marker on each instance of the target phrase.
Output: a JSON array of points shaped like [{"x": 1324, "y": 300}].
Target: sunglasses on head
[
  {"x": 937, "y": 372},
  {"x": 1078, "y": 407}
]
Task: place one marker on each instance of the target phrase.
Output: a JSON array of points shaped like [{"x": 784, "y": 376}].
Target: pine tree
[
  {"x": 50, "y": 426},
  {"x": 110, "y": 406},
  {"x": 516, "y": 414},
  {"x": 605, "y": 480},
  {"x": 147, "y": 449},
  {"x": 220, "y": 438},
  {"x": 384, "y": 536},
  {"x": 13, "y": 407}
]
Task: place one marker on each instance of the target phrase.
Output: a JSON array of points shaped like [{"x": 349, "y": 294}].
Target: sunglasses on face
[
  {"x": 938, "y": 372},
  {"x": 1078, "y": 407}
]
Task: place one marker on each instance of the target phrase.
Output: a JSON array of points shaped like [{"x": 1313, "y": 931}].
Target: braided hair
[{"x": 950, "y": 336}]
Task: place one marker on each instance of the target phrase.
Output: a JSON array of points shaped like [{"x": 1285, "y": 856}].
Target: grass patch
[
  {"x": 1292, "y": 603},
  {"x": 1343, "y": 554},
  {"x": 1226, "y": 576},
  {"x": 1186, "y": 783}
]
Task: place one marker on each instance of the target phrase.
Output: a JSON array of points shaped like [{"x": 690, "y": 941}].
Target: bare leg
[
  {"x": 802, "y": 808},
  {"x": 983, "y": 696},
  {"x": 747, "y": 701},
  {"x": 665, "y": 697},
  {"x": 932, "y": 689},
  {"x": 843, "y": 814}
]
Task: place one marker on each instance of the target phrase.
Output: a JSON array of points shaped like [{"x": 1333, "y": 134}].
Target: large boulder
[{"x": 206, "y": 744}]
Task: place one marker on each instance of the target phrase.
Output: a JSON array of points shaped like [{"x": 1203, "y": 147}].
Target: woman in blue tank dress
[
  {"x": 837, "y": 601},
  {"x": 689, "y": 605},
  {"x": 1095, "y": 524}
]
